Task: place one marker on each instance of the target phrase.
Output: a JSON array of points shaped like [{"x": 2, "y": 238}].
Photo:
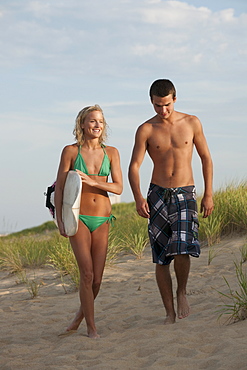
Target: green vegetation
[
  {"x": 229, "y": 215},
  {"x": 228, "y": 218},
  {"x": 243, "y": 251},
  {"x": 41, "y": 246},
  {"x": 32, "y": 284},
  {"x": 62, "y": 258},
  {"x": 237, "y": 308}
]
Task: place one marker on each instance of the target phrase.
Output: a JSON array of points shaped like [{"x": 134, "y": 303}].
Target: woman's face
[{"x": 93, "y": 125}]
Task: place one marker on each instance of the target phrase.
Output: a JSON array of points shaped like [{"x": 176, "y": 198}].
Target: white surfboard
[{"x": 71, "y": 202}]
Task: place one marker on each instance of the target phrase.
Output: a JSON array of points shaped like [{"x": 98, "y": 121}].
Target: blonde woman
[{"x": 94, "y": 162}]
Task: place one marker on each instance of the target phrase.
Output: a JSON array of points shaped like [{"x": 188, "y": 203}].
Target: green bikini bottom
[{"x": 93, "y": 222}]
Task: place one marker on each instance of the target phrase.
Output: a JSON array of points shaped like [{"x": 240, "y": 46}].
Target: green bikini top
[{"x": 105, "y": 168}]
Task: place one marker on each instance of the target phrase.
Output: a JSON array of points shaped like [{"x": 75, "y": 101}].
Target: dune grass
[
  {"x": 42, "y": 245},
  {"x": 243, "y": 251},
  {"x": 229, "y": 215},
  {"x": 228, "y": 218},
  {"x": 235, "y": 301},
  {"x": 62, "y": 258},
  {"x": 19, "y": 252},
  {"x": 130, "y": 232},
  {"x": 32, "y": 283}
]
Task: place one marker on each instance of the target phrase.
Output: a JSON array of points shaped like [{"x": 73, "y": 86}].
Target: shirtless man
[{"x": 169, "y": 138}]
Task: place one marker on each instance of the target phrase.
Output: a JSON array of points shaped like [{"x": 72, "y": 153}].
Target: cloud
[
  {"x": 175, "y": 14},
  {"x": 39, "y": 9},
  {"x": 56, "y": 35},
  {"x": 58, "y": 56}
]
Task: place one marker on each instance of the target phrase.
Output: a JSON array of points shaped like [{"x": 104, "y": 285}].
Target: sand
[{"x": 129, "y": 317}]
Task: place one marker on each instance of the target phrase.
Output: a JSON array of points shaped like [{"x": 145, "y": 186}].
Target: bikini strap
[
  {"x": 111, "y": 220},
  {"x": 103, "y": 147}
]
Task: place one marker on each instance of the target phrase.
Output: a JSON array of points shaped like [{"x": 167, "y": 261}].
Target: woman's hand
[
  {"x": 61, "y": 229},
  {"x": 86, "y": 179}
]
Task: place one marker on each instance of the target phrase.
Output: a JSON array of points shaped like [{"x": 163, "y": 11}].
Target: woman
[{"x": 94, "y": 162}]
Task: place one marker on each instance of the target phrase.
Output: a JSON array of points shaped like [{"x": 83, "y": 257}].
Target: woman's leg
[
  {"x": 90, "y": 251},
  {"x": 81, "y": 245},
  {"x": 99, "y": 252}
]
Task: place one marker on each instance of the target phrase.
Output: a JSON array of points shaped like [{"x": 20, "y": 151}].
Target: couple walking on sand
[{"x": 171, "y": 208}]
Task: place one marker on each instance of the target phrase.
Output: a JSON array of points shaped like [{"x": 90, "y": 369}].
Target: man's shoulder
[
  {"x": 183, "y": 115},
  {"x": 147, "y": 125},
  {"x": 144, "y": 131},
  {"x": 188, "y": 118}
]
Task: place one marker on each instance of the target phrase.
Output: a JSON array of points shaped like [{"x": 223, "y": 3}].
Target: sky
[{"x": 58, "y": 56}]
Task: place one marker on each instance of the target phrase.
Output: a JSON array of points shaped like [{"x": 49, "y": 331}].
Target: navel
[{"x": 157, "y": 146}]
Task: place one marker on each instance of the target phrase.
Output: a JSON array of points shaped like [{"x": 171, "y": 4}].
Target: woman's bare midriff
[{"x": 94, "y": 202}]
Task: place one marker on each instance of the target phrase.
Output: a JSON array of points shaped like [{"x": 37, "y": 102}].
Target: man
[{"x": 169, "y": 138}]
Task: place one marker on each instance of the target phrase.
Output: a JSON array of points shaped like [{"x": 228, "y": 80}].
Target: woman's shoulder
[
  {"x": 70, "y": 149},
  {"x": 110, "y": 149}
]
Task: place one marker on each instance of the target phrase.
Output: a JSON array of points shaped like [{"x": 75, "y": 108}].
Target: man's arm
[
  {"x": 138, "y": 154},
  {"x": 200, "y": 142}
]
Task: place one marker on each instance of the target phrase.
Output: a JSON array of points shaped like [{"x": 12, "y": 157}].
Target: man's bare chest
[{"x": 164, "y": 140}]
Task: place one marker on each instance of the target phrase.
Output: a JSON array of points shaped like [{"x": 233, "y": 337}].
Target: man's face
[{"x": 163, "y": 106}]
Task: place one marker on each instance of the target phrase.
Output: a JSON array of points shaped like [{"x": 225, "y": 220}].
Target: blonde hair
[{"x": 78, "y": 131}]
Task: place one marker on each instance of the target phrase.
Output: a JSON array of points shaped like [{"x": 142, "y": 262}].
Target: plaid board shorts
[{"x": 173, "y": 223}]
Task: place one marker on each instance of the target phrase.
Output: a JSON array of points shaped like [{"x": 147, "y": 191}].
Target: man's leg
[
  {"x": 164, "y": 281},
  {"x": 182, "y": 269}
]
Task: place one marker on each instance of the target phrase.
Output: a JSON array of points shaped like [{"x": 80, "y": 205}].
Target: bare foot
[
  {"x": 67, "y": 333},
  {"x": 183, "y": 307},
  {"x": 93, "y": 334},
  {"x": 76, "y": 322},
  {"x": 170, "y": 320}
]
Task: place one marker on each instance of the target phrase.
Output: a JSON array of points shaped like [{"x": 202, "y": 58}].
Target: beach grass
[
  {"x": 235, "y": 301},
  {"x": 62, "y": 258},
  {"x": 20, "y": 252},
  {"x": 131, "y": 233},
  {"x": 229, "y": 215},
  {"x": 32, "y": 283},
  {"x": 229, "y": 218},
  {"x": 42, "y": 245},
  {"x": 243, "y": 251}
]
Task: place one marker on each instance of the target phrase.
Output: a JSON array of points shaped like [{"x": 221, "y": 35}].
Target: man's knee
[
  {"x": 162, "y": 269},
  {"x": 182, "y": 257}
]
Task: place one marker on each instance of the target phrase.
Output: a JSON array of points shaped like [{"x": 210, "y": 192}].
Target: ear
[{"x": 174, "y": 99}]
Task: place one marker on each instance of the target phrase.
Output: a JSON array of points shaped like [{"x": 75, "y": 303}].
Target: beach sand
[{"x": 129, "y": 317}]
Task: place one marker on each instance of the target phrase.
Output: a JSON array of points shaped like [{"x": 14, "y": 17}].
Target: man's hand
[
  {"x": 207, "y": 206},
  {"x": 142, "y": 208}
]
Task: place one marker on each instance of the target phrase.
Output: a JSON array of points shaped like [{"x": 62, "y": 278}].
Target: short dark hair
[{"x": 162, "y": 88}]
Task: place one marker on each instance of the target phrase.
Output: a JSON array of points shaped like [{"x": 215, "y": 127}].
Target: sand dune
[{"x": 129, "y": 317}]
